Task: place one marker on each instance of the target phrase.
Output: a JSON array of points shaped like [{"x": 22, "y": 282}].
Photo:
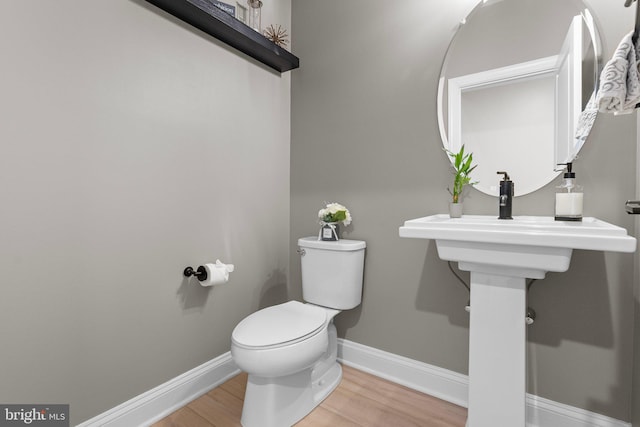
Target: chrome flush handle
[{"x": 301, "y": 251}]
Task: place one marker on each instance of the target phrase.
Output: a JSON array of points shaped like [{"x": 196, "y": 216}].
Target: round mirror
[{"x": 514, "y": 82}]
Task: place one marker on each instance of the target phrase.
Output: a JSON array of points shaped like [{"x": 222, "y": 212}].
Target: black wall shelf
[{"x": 203, "y": 15}]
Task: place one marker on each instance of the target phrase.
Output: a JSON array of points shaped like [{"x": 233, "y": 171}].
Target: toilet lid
[{"x": 279, "y": 324}]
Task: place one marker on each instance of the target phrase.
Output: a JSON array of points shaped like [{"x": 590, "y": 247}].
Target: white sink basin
[
  {"x": 590, "y": 233},
  {"x": 501, "y": 254},
  {"x": 527, "y": 246}
]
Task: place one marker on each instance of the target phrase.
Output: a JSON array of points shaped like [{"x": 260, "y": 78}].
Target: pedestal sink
[{"x": 501, "y": 255}]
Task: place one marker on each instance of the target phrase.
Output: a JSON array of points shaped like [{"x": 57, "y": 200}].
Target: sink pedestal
[
  {"x": 497, "y": 361},
  {"x": 497, "y": 323},
  {"x": 501, "y": 255}
]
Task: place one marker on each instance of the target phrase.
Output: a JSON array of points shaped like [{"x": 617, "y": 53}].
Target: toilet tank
[{"x": 332, "y": 272}]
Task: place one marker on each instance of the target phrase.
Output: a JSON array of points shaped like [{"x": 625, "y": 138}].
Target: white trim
[
  {"x": 441, "y": 383},
  {"x": 453, "y": 387},
  {"x": 157, "y": 403},
  {"x": 543, "y": 412},
  {"x": 526, "y": 70}
]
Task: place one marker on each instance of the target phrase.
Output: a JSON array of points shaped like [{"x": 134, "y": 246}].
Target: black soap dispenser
[{"x": 506, "y": 196}]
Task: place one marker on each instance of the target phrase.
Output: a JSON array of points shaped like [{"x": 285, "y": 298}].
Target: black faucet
[{"x": 506, "y": 196}]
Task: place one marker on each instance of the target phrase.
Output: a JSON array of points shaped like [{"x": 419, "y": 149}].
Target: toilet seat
[{"x": 279, "y": 325}]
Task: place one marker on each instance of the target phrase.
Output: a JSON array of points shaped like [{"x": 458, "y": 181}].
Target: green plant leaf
[
  {"x": 339, "y": 216},
  {"x": 462, "y": 164},
  {"x": 467, "y": 165}
]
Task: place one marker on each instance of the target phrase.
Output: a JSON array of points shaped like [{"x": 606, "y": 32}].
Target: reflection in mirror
[{"x": 516, "y": 77}]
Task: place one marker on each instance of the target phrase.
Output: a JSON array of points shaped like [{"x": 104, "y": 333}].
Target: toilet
[{"x": 290, "y": 350}]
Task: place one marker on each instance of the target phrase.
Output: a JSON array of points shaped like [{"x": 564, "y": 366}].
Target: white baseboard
[
  {"x": 157, "y": 403},
  {"x": 441, "y": 383},
  {"x": 543, "y": 412},
  {"x": 453, "y": 387}
]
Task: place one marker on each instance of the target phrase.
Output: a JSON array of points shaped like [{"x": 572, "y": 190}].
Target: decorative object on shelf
[
  {"x": 462, "y": 169},
  {"x": 231, "y": 10},
  {"x": 213, "y": 21},
  {"x": 241, "y": 13},
  {"x": 278, "y": 36},
  {"x": 330, "y": 218},
  {"x": 255, "y": 14}
]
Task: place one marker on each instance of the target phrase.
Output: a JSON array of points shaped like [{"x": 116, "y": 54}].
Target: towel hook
[{"x": 636, "y": 30}]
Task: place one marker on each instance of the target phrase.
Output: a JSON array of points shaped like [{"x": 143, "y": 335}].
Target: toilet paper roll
[{"x": 217, "y": 273}]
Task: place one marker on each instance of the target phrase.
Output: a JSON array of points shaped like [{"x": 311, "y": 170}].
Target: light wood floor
[{"x": 360, "y": 400}]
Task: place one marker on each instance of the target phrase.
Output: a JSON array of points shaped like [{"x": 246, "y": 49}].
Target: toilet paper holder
[{"x": 200, "y": 273}]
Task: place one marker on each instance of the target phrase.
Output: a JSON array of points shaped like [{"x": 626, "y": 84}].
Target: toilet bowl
[
  {"x": 290, "y": 350},
  {"x": 289, "y": 371},
  {"x": 280, "y": 340}
]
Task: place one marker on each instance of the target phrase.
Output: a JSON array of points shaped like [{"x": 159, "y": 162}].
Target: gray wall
[
  {"x": 364, "y": 133},
  {"x": 118, "y": 118},
  {"x": 132, "y": 146}
]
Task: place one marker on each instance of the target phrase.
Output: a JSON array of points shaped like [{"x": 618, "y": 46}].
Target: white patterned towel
[
  {"x": 585, "y": 121},
  {"x": 619, "y": 90}
]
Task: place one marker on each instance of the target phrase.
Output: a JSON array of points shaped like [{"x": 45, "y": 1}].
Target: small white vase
[{"x": 455, "y": 210}]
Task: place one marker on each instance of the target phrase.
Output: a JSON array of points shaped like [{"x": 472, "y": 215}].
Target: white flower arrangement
[{"x": 334, "y": 212}]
